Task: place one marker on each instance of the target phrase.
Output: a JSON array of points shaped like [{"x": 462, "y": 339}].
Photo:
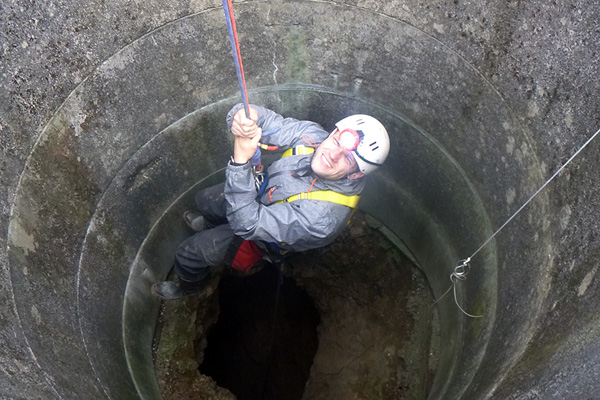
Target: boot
[
  {"x": 194, "y": 220},
  {"x": 171, "y": 290}
]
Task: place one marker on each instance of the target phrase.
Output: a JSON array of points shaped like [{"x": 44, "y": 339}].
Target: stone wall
[{"x": 109, "y": 113}]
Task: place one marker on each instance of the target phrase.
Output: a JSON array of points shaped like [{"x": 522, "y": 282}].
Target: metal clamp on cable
[
  {"x": 461, "y": 270},
  {"x": 460, "y": 274}
]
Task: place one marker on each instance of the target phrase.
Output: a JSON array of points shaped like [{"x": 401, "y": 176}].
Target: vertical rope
[
  {"x": 235, "y": 50},
  {"x": 239, "y": 67}
]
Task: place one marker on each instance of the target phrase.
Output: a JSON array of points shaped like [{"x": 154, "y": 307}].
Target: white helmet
[{"x": 373, "y": 142}]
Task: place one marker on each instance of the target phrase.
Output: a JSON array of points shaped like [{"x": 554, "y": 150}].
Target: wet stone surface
[{"x": 355, "y": 321}]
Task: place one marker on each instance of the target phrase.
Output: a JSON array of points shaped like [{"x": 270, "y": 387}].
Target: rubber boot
[
  {"x": 195, "y": 221},
  {"x": 172, "y": 290}
]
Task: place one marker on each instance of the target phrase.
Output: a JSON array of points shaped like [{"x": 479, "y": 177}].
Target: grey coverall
[{"x": 235, "y": 210}]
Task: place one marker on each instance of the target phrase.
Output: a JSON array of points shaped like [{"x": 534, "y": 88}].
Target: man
[{"x": 304, "y": 203}]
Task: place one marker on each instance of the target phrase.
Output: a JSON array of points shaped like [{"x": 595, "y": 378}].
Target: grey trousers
[{"x": 214, "y": 246}]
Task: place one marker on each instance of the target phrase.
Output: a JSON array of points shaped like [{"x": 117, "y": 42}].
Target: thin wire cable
[
  {"x": 459, "y": 274},
  {"x": 462, "y": 269},
  {"x": 536, "y": 193}
]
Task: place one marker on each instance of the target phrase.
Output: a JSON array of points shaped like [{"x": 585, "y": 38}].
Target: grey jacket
[{"x": 298, "y": 225}]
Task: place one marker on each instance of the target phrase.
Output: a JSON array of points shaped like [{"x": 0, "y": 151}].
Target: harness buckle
[{"x": 260, "y": 179}]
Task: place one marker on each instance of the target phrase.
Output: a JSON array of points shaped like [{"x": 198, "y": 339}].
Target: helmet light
[{"x": 349, "y": 139}]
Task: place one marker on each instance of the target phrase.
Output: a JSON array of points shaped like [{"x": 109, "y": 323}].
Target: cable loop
[
  {"x": 459, "y": 274},
  {"x": 461, "y": 270}
]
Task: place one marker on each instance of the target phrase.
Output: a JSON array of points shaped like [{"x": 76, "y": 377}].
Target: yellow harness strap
[
  {"x": 298, "y": 150},
  {"x": 325, "y": 195}
]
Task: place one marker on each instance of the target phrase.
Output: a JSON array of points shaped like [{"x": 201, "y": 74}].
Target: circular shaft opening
[
  {"x": 264, "y": 341},
  {"x": 354, "y": 319}
]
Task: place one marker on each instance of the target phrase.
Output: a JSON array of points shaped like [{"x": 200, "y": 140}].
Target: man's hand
[
  {"x": 244, "y": 127},
  {"x": 244, "y": 148}
]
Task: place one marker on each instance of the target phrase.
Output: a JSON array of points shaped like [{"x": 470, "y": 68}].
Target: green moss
[
  {"x": 63, "y": 186},
  {"x": 297, "y": 55}
]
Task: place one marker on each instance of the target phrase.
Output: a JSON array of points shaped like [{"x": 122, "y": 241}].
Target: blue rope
[
  {"x": 229, "y": 17},
  {"x": 235, "y": 50}
]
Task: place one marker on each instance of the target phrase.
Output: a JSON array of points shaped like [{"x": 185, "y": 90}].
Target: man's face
[{"x": 331, "y": 161}]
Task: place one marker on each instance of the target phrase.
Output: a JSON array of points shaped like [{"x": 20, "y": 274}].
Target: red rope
[{"x": 239, "y": 55}]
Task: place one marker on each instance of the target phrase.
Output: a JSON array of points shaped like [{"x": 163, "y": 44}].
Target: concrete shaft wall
[{"x": 111, "y": 112}]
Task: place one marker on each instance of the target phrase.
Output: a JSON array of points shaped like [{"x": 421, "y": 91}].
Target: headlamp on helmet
[
  {"x": 349, "y": 139},
  {"x": 366, "y": 138}
]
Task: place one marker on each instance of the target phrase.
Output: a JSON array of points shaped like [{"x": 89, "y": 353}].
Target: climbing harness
[
  {"x": 324, "y": 195},
  {"x": 463, "y": 266},
  {"x": 351, "y": 201},
  {"x": 298, "y": 150}
]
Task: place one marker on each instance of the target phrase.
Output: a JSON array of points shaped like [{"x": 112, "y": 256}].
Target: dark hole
[{"x": 255, "y": 352}]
